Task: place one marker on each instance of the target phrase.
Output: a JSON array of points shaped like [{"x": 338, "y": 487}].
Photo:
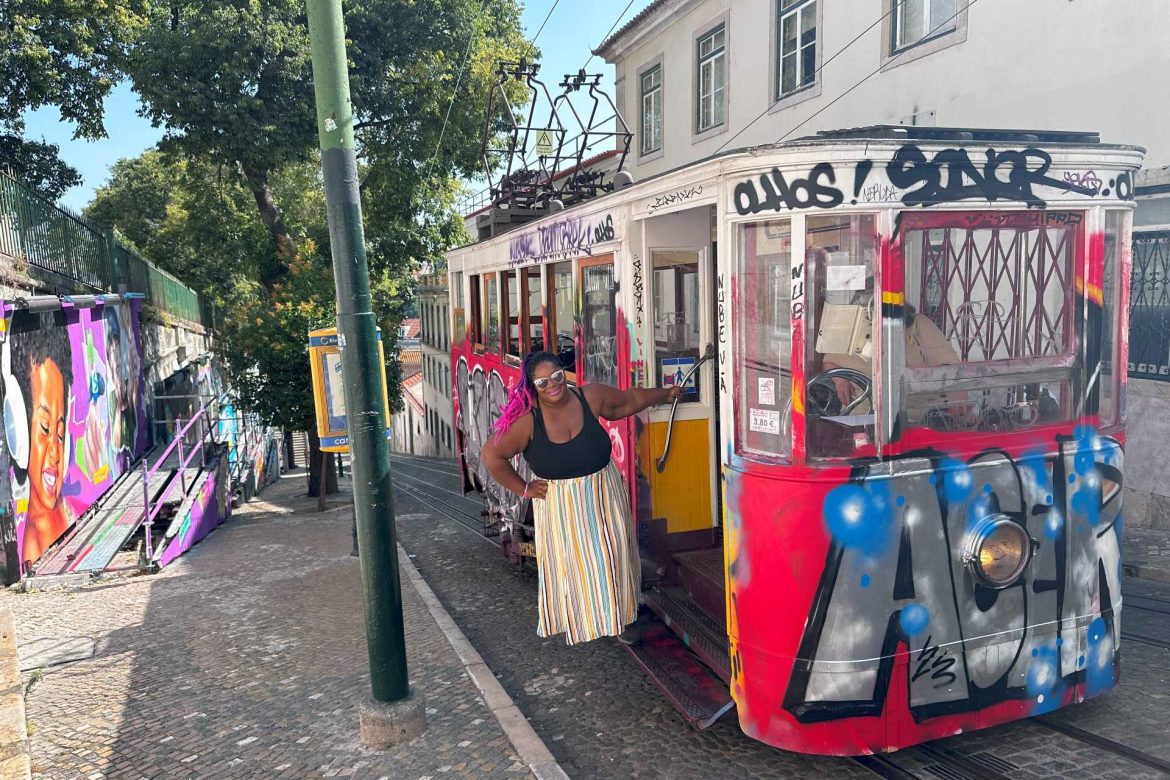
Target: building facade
[
  {"x": 698, "y": 77},
  {"x": 434, "y": 309}
]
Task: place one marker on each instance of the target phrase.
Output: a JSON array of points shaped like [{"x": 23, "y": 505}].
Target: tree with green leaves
[
  {"x": 63, "y": 53},
  {"x": 231, "y": 82}
]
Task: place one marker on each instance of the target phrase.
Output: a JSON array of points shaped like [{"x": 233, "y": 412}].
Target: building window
[
  {"x": 919, "y": 20},
  {"x": 712, "y": 78},
  {"x": 652, "y": 110},
  {"x": 796, "y": 62}
]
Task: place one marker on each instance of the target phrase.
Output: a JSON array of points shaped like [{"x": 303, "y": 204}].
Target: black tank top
[{"x": 586, "y": 453}]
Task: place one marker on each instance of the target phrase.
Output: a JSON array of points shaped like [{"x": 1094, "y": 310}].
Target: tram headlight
[{"x": 997, "y": 551}]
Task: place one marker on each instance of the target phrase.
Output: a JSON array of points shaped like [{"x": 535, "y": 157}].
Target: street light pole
[{"x": 394, "y": 713}]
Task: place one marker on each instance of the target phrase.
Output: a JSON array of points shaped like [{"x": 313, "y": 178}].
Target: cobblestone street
[{"x": 245, "y": 659}]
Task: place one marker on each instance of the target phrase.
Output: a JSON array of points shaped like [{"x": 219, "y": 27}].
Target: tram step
[
  {"x": 692, "y": 624},
  {"x": 700, "y": 572},
  {"x": 698, "y": 695}
]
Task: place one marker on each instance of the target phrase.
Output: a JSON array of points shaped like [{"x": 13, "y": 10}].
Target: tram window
[
  {"x": 561, "y": 308},
  {"x": 996, "y": 289},
  {"x": 1117, "y": 238},
  {"x": 476, "y": 329},
  {"x": 491, "y": 310},
  {"x": 676, "y": 315},
  {"x": 841, "y": 256},
  {"x": 599, "y": 320},
  {"x": 535, "y": 307},
  {"x": 765, "y": 337},
  {"x": 511, "y": 281}
]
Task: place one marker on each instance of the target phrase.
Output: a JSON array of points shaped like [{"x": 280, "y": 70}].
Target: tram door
[{"x": 679, "y": 328}]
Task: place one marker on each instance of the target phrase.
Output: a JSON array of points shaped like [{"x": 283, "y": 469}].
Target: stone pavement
[
  {"x": 1146, "y": 554},
  {"x": 246, "y": 658}
]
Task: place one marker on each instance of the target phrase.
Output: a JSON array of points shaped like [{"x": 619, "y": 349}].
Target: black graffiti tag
[
  {"x": 951, "y": 176},
  {"x": 811, "y": 192},
  {"x": 936, "y": 662},
  {"x": 603, "y": 231}
]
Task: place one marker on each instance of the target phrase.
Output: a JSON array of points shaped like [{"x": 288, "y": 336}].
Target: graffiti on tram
[
  {"x": 480, "y": 392},
  {"x": 913, "y": 179},
  {"x": 894, "y": 573}
]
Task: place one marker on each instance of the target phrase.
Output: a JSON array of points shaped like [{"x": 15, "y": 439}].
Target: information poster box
[{"x": 329, "y": 389}]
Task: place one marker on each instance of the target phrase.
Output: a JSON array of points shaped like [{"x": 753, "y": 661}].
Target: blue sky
[{"x": 574, "y": 28}]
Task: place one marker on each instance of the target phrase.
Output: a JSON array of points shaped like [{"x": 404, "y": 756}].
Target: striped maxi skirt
[{"x": 589, "y": 576}]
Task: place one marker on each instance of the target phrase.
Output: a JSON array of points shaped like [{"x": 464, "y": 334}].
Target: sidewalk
[{"x": 247, "y": 658}]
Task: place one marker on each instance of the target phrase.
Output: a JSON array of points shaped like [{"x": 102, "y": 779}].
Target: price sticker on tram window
[
  {"x": 765, "y": 421},
  {"x": 767, "y": 391},
  {"x": 845, "y": 277}
]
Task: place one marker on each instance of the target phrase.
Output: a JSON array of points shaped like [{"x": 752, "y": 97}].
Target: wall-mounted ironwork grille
[{"x": 1149, "y": 307}]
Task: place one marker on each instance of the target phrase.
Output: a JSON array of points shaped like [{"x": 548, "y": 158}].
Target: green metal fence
[{"x": 68, "y": 254}]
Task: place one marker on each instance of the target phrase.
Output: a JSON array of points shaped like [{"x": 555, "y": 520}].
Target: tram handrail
[{"x": 709, "y": 354}]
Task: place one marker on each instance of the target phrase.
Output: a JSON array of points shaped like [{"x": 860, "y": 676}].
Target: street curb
[{"x": 529, "y": 746}]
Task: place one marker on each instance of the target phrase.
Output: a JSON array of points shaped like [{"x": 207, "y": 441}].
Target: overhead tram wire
[
  {"x": 458, "y": 82},
  {"x": 874, "y": 72},
  {"x": 546, "y": 18},
  {"x": 762, "y": 114}
]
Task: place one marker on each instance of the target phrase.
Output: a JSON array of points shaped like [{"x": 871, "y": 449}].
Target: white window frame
[
  {"x": 708, "y": 60},
  {"x": 894, "y": 54},
  {"x": 798, "y": 9},
  {"x": 645, "y": 133},
  {"x": 926, "y": 32}
]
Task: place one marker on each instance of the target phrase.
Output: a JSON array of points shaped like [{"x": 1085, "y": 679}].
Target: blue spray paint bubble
[
  {"x": 1059, "y": 641},
  {"x": 957, "y": 480},
  {"x": 1080, "y": 661},
  {"x": 1087, "y": 444},
  {"x": 901, "y": 501},
  {"x": 859, "y": 516},
  {"x": 1085, "y": 504},
  {"x": 1100, "y": 673},
  {"x": 865, "y": 580},
  {"x": 1048, "y": 499},
  {"x": 1043, "y": 679},
  {"x": 1072, "y": 478},
  {"x": 987, "y": 488},
  {"x": 1035, "y": 465},
  {"x": 1054, "y": 524},
  {"x": 914, "y": 619}
]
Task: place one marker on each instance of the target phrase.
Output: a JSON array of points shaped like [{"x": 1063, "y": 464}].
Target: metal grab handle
[{"x": 660, "y": 464}]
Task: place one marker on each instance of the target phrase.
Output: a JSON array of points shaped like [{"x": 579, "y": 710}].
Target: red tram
[{"x": 890, "y": 508}]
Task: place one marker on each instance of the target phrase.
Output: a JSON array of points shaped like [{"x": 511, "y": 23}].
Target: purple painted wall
[{"x": 209, "y": 508}]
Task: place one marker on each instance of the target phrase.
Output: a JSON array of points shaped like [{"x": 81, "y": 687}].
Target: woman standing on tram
[{"x": 589, "y": 570}]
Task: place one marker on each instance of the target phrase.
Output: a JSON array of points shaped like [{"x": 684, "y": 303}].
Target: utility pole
[{"x": 394, "y": 713}]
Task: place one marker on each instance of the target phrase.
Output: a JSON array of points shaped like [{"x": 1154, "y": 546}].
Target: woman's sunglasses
[{"x": 557, "y": 378}]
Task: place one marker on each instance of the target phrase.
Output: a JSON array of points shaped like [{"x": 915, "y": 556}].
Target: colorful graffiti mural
[
  {"x": 74, "y": 416},
  {"x": 200, "y": 513}
]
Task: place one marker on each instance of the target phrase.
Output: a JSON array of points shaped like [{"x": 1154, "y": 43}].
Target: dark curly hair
[
  {"x": 35, "y": 339},
  {"x": 523, "y": 396}
]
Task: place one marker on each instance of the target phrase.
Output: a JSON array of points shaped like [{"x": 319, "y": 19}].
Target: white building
[
  {"x": 434, "y": 311},
  {"x": 697, "y": 77}
]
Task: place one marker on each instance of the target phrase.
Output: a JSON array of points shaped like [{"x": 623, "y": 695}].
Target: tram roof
[{"x": 859, "y": 135}]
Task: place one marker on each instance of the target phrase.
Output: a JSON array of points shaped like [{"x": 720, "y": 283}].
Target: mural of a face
[
  {"x": 47, "y": 439},
  {"x": 46, "y": 519}
]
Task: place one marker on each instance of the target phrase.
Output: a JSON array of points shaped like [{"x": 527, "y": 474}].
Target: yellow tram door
[{"x": 683, "y": 484}]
